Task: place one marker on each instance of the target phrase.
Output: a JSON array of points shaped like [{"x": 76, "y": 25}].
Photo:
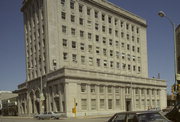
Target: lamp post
[{"x": 162, "y": 14}]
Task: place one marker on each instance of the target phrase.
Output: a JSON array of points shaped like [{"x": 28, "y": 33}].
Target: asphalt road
[{"x": 2, "y": 119}]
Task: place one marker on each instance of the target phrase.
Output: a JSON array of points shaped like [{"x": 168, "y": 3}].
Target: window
[
  {"x": 136, "y": 91},
  {"x": 127, "y": 36},
  {"x": 65, "y": 56},
  {"x": 122, "y": 45},
  {"x": 137, "y": 40},
  {"x": 116, "y": 33},
  {"x": 124, "y": 66},
  {"x": 103, "y": 17},
  {"x": 111, "y": 64},
  {"x": 105, "y": 63},
  {"x": 101, "y": 89},
  {"x": 83, "y": 59},
  {"x": 74, "y": 58},
  {"x": 64, "y": 42},
  {"x": 133, "y": 38},
  {"x": 117, "y": 90},
  {"x": 133, "y": 48},
  {"x": 110, "y": 42},
  {"x": 122, "y": 35},
  {"x": 117, "y": 54},
  {"x": 102, "y": 103},
  {"x": 96, "y": 14},
  {"x": 92, "y": 88},
  {"x": 73, "y": 31},
  {"x": 123, "y": 55},
  {"x": 138, "y": 49},
  {"x": 83, "y": 104},
  {"x": 104, "y": 40},
  {"x": 89, "y": 36},
  {"x": 137, "y": 103},
  {"x": 129, "y": 57},
  {"x": 133, "y": 58},
  {"x": 111, "y": 53},
  {"x": 90, "y": 61},
  {"x": 118, "y": 65},
  {"x": 81, "y": 33},
  {"x": 104, "y": 52},
  {"x": 109, "y": 89},
  {"x": 129, "y": 67},
  {"x": 88, "y": 11},
  {"x": 63, "y": 28},
  {"x": 103, "y": 28},
  {"x": 110, "y": 30},
  {"x": 97, "y": 38},
  {"x": 93, "y": 104},
  {"x": 97, "y": 50},
  {"x": 132, "y": 28},
  {"x": 109, "y": 103},
  {"x": 82, "y": 46},
  {"x": 98, "y": 62},
  {"x": 115, "y": 21},
  {"x": 122, "y": 23},
  {"x": 109, "y": 19},
  {"x": 117, "y": 103},
  {"x": 117, "y": 43},
  {"x": 81, "y": 21},
  {"x": 80, "y": 8},
  {"x": 139, "y": 69},
  {"x": 127, "y": 26},
  {"x": 90, "y": 48},
  {"x": 73, "y": 44},
  {"x": 137, "y": 30},
  {"x": 72, "y": 4},
  {"x": 128, "y": 47},
  {"x": 134, "y": 68},
  {"x": 62, "y": 2},
  {"x": 63, "y": 15},
  {"x": 96, "y": 26},
  {"x": 72, "y": 18},
  {"x": 83, "y": 87}
]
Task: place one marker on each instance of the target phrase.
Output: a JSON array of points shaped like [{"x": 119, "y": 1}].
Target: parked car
[
  {"x": 139, "y": 116},
  {"x": 48, "y": 115},
  {"x": 174, "y": 114}
]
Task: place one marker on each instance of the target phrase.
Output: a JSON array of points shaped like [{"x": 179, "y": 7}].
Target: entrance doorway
[{"x": 128, "y": 104}]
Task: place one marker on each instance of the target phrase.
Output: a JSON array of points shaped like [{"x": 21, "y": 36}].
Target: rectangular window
[
  {"x": 102, "y": 103},
  {"x": 90, "y": 48},
  {"x": 109, "y": 89},
  {"x": 82, "y": 46},
  {"x": 83, "y": 87},
  {"x": 65, "y": 56},
  {"x": 117, "y": 103},
  {"x": 96, "y": 26},
  {"x": 104, "y": 52},
  {"x": 101, "y": 89},
  {"x": 73, "y": 44},
  {"x": 110, "y": 30},
  {"x": 105, "y": 63},
  {"x": 81, "y": 34},
  {"x": 64, "y": 42},
  {"x": 104, "y": 40},
  {"x": 88, "y": 11},
  {"x": 63, "y": 28},
  {"x": 81, "y": 21},
  {"x": 110, "y": 42},
  {"x": 80, "y": 8},
  {"x": 90, "y": 61},
  {"x": 83, "y": 104},
  {"x": 109, "y": 19},
  {"x": 63, "y": 15},
  {"x": 89, "y": 36},
  {"x": 103, "y": 17},
  {"x": 117, "y": 90},
  {"x": 109, "y": 103},
  {"x": 92, "y": 88},
  {"x": 137, "y": 104},
  {"x": 103, "y": 28},
  {"x": 97, "y": 38},
  {"x": 97, "y": 50},
  {"x": 93, "y": 104},
  {"x": 72, "y": 4},
  {"x": 72, "y": 18},
  {"x": 98, "y": 62},
  {"x": 96, "y": 14},
  {"x": 118, "y": 65},
  {"x": 83, "y": 59},
  {"x": 74, "y": 58},
  {"x": 111, "y": 64},
  {"x": 111, "y": 53},
  {"x": 62, "y": 2},
  {"x": 73, "y": 31}
]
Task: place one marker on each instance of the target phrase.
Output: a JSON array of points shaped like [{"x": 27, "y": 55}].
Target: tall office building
[{"x": 89, "y": 56}]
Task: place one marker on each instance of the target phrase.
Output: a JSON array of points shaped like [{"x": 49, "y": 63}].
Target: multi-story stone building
[{"x": 86, "y": 55}]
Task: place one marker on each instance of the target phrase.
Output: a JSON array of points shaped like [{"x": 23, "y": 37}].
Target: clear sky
[{"x": 159, "y": 36}]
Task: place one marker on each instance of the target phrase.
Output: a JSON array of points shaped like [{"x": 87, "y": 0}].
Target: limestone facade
[{"x": 86, "y": 54}]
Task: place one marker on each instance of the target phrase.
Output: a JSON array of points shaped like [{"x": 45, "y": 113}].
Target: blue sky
[{"x": 159, "y": 35}]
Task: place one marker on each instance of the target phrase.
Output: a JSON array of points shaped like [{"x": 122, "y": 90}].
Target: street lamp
[{"x": 162, "y": 14}]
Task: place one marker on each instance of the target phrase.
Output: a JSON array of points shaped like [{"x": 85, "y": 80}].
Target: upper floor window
[
  {"x": 81, "y": 21},
  {"x": 103, "y": 17},
  {"x": 73, "y": 44},
  {"x": 96, "y": 14},
  {"x": 83, "y": 87},
  {"x": 63, "y": 15},
  {"x": 80, "y": 8},
  {"x": 63, "y": 28},
  {"x": 72, "y": 18},
  {"x": 88, "y": 11},
  {"x": 62, "y": 2},
  {"x": 72, "y": 4}
]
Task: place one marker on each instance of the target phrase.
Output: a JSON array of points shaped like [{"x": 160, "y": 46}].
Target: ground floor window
[
  {"x": 83, "y": 104},
  {"x": 93, "y": 104},
  {"x": 109, "y": 103},
  {"x": 102, "y": 104}
]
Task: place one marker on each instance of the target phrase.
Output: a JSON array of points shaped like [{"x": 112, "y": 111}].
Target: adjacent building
[{"x": 86, "y": 57}]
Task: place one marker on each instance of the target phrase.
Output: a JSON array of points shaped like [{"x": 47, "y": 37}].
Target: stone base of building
[{"x": 88, "y": 93}]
